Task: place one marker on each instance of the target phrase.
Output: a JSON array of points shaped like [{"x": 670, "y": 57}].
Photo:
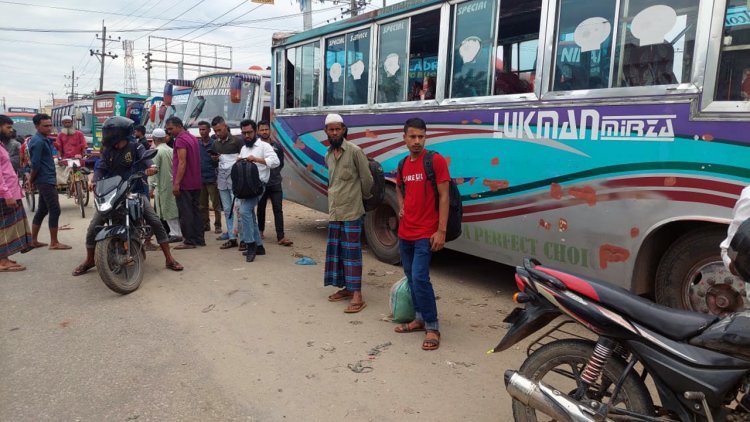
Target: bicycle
[
  {"x": 78, "y": 184},
  {"x": 29, "y": 194}
]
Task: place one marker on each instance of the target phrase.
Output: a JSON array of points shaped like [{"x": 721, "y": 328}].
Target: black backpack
[
  {"x": 246, "y": 180},
  {"x": 455, "y": 207},
  {"x": 378, "y": 185}
]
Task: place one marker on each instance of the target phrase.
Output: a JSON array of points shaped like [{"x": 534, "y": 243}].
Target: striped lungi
[
  {"x": 14, "y": 230},
  {"x": 344, "y": 255}
]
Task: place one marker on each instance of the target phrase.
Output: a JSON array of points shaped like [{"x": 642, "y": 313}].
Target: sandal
[
  {"x": 60, "y": 247},
  {"x": 431, "y": 343},
  {"x": 174, "y": 266},
  {"x": 12, "y": 268},
  {"x": 409, "y": 328},
  {"x": 231, "y": 243},
  {"x": 185, "y": 246},
  {"x": 342, "y": 294},
  {"x": 82, "y": 269},
  {"x": 285, "y": 242},
  {"x": 353, "y": 308}
]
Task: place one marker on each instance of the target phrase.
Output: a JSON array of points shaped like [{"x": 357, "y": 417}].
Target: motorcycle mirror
[{"x": 149, "y": 154}]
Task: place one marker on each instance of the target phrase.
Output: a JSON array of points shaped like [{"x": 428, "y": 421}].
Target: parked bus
[
  {"x": 211, "y": 97},
  {"x": 82, "y": 113},
  {"x": 111, "y": 103},
  {"x": 150, "y": 116},
  {"x": 176, "y": 98},
  {"x": 605, "y": 138}
]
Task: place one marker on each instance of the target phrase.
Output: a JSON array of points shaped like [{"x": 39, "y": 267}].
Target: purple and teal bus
[{"x": 610, "y": 138}]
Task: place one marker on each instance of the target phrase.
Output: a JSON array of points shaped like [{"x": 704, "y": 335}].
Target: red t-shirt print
[{"x": 420, "y": 220}]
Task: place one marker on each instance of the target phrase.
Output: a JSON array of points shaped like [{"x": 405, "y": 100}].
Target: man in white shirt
[
  {"x": 264, "y": 157},
  {"x": 740, "y": 213}
]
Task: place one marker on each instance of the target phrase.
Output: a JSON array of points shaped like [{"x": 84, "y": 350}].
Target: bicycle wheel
[
  {"x": 79, "y": 198},
  {"x": 86, "y": 193}
]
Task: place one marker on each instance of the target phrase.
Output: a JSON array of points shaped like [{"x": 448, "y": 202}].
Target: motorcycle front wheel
[
  {"x": 560, "y": 365},
  {"x": 121, "y": 271}
]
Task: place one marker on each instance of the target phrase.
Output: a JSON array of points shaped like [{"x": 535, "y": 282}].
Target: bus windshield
[
  {"x": 179, "y": 105},
  {"x": 210, "y": 98}
]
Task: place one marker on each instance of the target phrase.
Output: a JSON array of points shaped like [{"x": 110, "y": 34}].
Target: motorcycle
[
  {"x": 119, "y": 254},
  {"x": 698, "y": 364}
]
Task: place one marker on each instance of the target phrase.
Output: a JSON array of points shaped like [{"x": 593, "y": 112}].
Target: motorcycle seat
[{"x": 671, "y": 323}]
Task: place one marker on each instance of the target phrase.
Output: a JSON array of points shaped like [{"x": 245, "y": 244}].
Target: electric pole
[
  {"x": 354, "y": 8},
  {"x": 101, "y": 55},
  {"x": 52, "y": 94},
  {"x": 72, "y": 85},
  {"x": 148, "y": 68}
]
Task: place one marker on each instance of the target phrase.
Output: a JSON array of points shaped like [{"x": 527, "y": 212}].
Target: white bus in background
[
  {"x": 80, "y": 111},
  {"x": 233, "y": 94}
]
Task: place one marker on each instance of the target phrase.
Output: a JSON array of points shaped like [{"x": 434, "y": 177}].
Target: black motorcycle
[
  {"x": 120, "y": 254},
  {"x": 698, "y": 365}
]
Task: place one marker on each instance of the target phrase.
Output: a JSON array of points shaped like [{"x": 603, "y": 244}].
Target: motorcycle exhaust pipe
[{"x": 546, "y": 399}]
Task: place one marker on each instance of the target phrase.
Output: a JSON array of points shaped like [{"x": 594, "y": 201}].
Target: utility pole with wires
[
  {"x": 101, "y": 55},
  {"x": 148, "y": 68},
  {"x": 72, "y": 85}
]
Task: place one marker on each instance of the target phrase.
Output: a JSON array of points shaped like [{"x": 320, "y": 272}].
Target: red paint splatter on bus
[
  {"x": 310, "y": 167},
  {"x": 472, "y": 180},
  {"x": 460, "y": 181},
  {"x": 611, "y": 253},
  {"x": 448, "y": 160},
  {"x": 371, "y": 134},
  {"x": 555, "y": 191},
  {"x": 562, "y": 225},
  {"x": 475, "y": 195},
  {"x": 707, "y": 137},
  {"x": 586, "y": 193},
  {"x": 477, "y": 121},
  {"x": 463, "y": 122},
  {"x": 495, "y": 185},
  {"x": 299, "y": 144},
  {"x": 634, "y": 232},
  {"x": 544, "y": 224},
  {"x": 670, "y": 181},
  {"x": 495, "y": 161}
]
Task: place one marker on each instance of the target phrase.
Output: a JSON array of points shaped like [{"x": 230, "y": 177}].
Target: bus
[
  {"x": 112, "y": 103},
  {"x": 605, "y": 138},
  {"x": 233, "y": 94},
  {"x": 150, "y": 117},
  {"x": 82, "y": 113},
  {"x": 176, "y": 95}
]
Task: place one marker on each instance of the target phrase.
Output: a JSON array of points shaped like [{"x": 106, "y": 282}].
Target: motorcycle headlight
[{"x": 104, "y": 203}]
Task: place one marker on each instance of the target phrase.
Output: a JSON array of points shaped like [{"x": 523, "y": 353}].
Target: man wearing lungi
[
  {"x": 349, "y": 181},
  {"x": 14, "y": 228}
]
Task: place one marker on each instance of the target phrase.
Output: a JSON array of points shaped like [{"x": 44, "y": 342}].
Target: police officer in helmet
[{"x": 120, "y": 152}]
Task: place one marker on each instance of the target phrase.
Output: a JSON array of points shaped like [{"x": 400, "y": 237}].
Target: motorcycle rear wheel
[
  {"x": 122, "y": 279},
  {"x": 560, "y": 364}
]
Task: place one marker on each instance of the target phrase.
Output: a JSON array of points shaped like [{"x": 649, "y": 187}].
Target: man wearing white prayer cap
[
  {"x": 349, "y": 181},
  {"x": 160, "y": 186},
  {"x": 70, "y": 142}
]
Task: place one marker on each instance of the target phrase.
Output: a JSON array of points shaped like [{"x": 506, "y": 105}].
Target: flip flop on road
[
  {"x": 410, "y": 327},
  {"x": 342, "y": 294},
  {"x": 12, "y": 268},
  {"x": 353, "y": 308},
  {"x": 185, "y": 246},
  {"x": 60, "y": 247},
  {"x": 175, "y": 266},
  {"x": 285, "y": 242},
  {"x": 65, "y": 227},
  {"x": 82, "y": 269},
  {"x": 37, "y": 245},
  {"x": 431, "y": 340}
]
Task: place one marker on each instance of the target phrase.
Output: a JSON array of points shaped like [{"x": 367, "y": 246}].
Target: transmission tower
[{"x": 131, "y": 84}]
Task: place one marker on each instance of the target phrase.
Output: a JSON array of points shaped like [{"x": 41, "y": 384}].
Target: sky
[{"x": 37, "y": 63}]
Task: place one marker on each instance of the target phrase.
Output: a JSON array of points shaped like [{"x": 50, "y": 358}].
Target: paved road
[{"x": 226, "y": 340}]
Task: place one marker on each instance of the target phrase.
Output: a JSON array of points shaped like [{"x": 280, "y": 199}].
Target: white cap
[
  {"x": 64, "y": 118},
  {"x": 334, "y": 118},
  {"x": 158, "y": 133}
]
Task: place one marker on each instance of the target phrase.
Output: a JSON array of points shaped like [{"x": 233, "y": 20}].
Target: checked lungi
[
  {"x": 344, "y": 255},
  {"x": 14, "y": 230}
]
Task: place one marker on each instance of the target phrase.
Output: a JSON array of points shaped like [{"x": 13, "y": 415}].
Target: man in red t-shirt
[
  {"x": 70, "y": 142},
  {"x": 422, "y": 227}
]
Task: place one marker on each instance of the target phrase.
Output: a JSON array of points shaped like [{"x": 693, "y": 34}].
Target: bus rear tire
[
  {"x": 381, "y": 229},
  {"x": 692, "y": 276}
]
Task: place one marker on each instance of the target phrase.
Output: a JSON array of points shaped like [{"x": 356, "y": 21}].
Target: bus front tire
[{"x": 381, "y": 229}]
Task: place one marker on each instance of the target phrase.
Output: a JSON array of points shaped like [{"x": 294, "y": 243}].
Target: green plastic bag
[{"x": 402, "y": 307}]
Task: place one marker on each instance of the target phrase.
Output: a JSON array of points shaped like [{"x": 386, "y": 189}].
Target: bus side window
[
  {"x": 472, "y": 48},
  {"x": 280, "y": 67},
  {"x": 392, "y": 61},
  {"x": 306, "y": 75},
  {"x": 347, "y": 63},
  {"x": 584, "y": 44},
  {"x": 655, "y": 42},
  {"x": 733, "y": 79},
  {"x": 289, "y": 73},
  {"x": 423, "y": 52},
  {"x": 335, "y": 67},
  {"x": 517, "y": 44}
]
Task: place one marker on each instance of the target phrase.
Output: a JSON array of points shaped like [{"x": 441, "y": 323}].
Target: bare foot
[
  {"x": 59, "y": 246},
  {"x": 35, "y": 245}
]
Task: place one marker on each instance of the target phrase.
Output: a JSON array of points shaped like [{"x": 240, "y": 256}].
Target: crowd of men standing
[{"x": 184, "y": 176}]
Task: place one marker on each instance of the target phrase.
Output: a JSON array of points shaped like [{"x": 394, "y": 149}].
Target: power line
[
  {"x": 241, "y": 3},
  {"x": 199, "y": 2},
  {"x": 225, "y": 24}
]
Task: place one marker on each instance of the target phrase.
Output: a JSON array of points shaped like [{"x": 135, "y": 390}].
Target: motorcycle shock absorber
[{"x": 600, "y": 356}]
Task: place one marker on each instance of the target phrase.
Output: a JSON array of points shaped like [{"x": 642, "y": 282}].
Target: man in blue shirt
[
  {"x": 208, "y": 173},
  {"x": 44, "y": 179}
]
